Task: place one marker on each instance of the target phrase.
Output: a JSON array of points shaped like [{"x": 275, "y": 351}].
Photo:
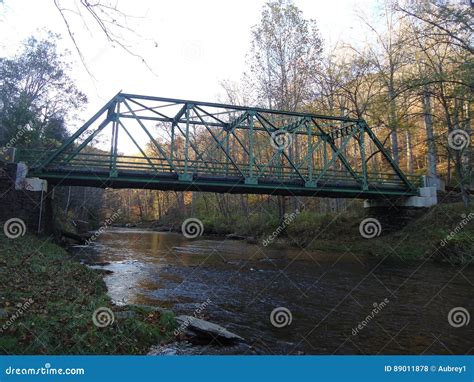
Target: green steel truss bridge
[{"x": 187, "y": 145}]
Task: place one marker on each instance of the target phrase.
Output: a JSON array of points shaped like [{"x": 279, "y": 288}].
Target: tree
[
  {"x": 441, "y": 41},
  {"x": 446, "y": 21},
  {"x": 36, "y": 91},
  {"x": 285, "y": 53},
  {"x": 389, "y": 56},
  {"x": 100, "y": 17}
]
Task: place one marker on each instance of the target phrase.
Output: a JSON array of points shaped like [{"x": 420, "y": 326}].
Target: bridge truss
[{"x": 202, "y": 146}]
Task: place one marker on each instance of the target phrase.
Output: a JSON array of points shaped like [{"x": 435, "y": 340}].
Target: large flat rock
[{"x": 205, "y": 328}]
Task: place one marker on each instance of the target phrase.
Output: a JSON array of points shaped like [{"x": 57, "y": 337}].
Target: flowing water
[{"x": 340, "y": 303}]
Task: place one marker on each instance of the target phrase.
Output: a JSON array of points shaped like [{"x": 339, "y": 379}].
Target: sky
[{"x": 189, "y": 46}]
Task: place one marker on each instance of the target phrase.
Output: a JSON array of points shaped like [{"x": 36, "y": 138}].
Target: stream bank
[
  {"x": 442, "y": 233},
  {"x": 52, "y": 304}
]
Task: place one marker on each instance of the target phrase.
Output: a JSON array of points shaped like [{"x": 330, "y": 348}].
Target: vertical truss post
[
  {"x": 333, "y": 159},
  {"x": 112, "y": 150},
  {"x": 251, "y": 179},
  {"x": 227, "y": 147},
  {"x": 114, "y": 141},
  {"x": 309, "y": 182},
  {"x": 365, "y": 183},
  {"x": 78, "y": 133},
  {"x": 325, "y": 152},
  {"x": 186, "y": 176},
  {"x": 172, "y": 143}
]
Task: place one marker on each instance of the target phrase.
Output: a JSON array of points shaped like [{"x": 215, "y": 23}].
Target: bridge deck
[{"x": 219, "y": 178}]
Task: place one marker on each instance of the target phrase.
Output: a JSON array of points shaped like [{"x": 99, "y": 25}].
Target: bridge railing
[{"x": 139, "y": 165}]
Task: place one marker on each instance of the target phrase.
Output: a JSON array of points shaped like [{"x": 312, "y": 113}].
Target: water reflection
[{"x": 328, "y": 294}]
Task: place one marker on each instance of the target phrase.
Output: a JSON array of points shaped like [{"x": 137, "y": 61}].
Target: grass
[
  {"x": 408, "y": 234},
  {"x": 47, "y": 301},
  {"x": 417, "y": 237}
]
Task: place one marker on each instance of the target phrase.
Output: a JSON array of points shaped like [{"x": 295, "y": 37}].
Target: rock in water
[
  {"x": 234, "y": 236},
  {"x": 202, "y": 328}
]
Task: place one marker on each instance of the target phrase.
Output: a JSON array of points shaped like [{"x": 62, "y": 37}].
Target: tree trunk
[
  {"x": 409, "y": 147},
  {"x": 428, "y": 118},
  {"x": 281, "y": 208},
  {"x": 393, "y": 121},
  {"x": 469, "y": 152},
  {"x": 66, "y": 210},
  {"x": 180, "y": 200},
  {"x": 458, "y": 159}
]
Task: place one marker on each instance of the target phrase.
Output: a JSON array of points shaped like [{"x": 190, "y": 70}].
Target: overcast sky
[{"x": 191, "y": 46}]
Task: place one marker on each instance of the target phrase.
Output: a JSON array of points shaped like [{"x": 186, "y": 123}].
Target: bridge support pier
[
  {"x": 427, "y": 197},
  {"x": 23, "y": 198}
]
